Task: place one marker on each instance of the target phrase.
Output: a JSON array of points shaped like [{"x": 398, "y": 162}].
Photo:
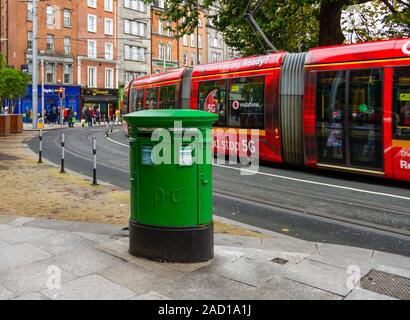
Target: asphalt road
[{"x": 309, "y": 204}]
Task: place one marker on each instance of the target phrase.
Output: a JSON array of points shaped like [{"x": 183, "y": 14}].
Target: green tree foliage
[
  {"x": 13, "y": 83},
  {"x": 296, "y": 25}
]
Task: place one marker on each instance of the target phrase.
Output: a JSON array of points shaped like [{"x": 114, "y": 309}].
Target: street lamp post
[{"x": 35, "y": 67}]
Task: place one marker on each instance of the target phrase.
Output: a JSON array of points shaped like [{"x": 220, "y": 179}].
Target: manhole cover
[
  {"x": 387, "y": 284},
  {"x": 279, "y": 261}
]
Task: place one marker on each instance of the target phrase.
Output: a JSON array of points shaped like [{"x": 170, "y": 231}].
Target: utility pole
[
  {"x": 35, "y": 67},
  {"x": 42, "y": 87}
]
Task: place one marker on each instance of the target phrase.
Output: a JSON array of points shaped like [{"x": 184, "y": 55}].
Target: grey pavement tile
[
  {"x": 361, "y": 294},
  {"x": 4, "y": 219},
  {"x": 95, "y": 228},
  {"x": 4, "y": 227},
  {"x": 152, "y": 295},
  {"x": 85, "y": 262},
  {"x": 93, "y": 287},
  {"x": 20, "y": 221},
  {"x": 63, "y": 243},
  {"x": 251, "y": 272},
  {"x": 32, "y": 296},
  {"x": 6, "y": 294},
  {"x": 25, "y": 234},
  {"x": 392, "y": 260},
  {"x": 223, "y": 239},
  {"x": 49, "y": 224},
  {"x": 118, "y": 248},
  {"x": 137, "y": 278},
  {"x": 288, "y": 244},
  {"x": 343, "y": 256},
  {"x": 283, "y": 289},
  {"x": 318, "y": 275},
  {"x": 19, "y": 254},
  {"x": 3, "y": 243},
  {"x": 100, "y": 238},
  {"x": 200, "y": 285},
  {"x": 32, "y": 277}
]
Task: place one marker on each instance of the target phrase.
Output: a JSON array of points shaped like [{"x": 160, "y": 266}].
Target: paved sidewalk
[
  {"x": 93, "y": 263},
  {"x": 53, "y": 126}
]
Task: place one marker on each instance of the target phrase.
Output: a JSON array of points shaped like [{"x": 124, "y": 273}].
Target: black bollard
[
  {"x": 40, "y": 160},
  {"x": 95, "y": 162},
  {"x": 62, "y": 153}
]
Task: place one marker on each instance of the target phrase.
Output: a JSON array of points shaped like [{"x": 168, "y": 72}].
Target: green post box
[{"x": 171, "y": 185}]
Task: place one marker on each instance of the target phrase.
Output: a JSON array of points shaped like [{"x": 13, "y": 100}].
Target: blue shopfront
[{"x": 51, "y": 98}]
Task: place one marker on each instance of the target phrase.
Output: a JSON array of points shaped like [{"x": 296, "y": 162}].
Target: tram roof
[
  {"x": 377, "y": 50},
  {"x": 172, "y": 75}
]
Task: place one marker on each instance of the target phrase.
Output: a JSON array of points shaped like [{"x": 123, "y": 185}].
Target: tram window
[
  {"x": 330, "y": 102},
  {"x": 125, "y": 109},
  {"x": 246, "y": 103},
  {"x": 167, "y": 97},
  {"x": 365, "y": 118},
  {"x": 212, "y": 98},
  {"x": 151, "y": 101},
  {"x": 401, "y": 103},
  {"x": 138, "y": 105}
]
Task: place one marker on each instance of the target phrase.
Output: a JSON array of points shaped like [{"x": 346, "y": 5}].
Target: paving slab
[
  {"x": 6, "y": 294},
  {"x": 398, "y": 272},
  {"x": 137, "y": 278},
  {"x": 32, "y": 296},
  {"x": 25, "y": 234},
  {"x": 318, "y": 275},
  {"x": 279, "y": 288},
  {"x": 49, "y": 224},
  {"x": 151, "y": 296},
  {"x": 288, "y": 244},
  {"x": 95, "y": 228},
  {"x": 63, "y": 243},
  {"x": 222, "y": 239},
  {"x": 3, "y": 243},
  {"x": 361, "y": 294},
  {"x": 5, "y": 219},
  {"x": 20, "y": 221},
  {"x": 32, "y": 277},
  {"x": 343, "y": 256},
  {"x": 19, "y": 254},
  {"x": 93, "y": 287},
  {"x": 118, "y": 248},
  {"x": 393, "y": 260},
  {"x": 86, "y": 262},
  {"x": 100, "y": 238},
  {"x": 200, "y": 285}
]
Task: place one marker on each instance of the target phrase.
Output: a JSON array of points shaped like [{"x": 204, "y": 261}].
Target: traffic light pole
[{"x": 35, "y": 68}]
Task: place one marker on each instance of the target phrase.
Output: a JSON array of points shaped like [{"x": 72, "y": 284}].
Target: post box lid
[{"x": 161, "y": 118}]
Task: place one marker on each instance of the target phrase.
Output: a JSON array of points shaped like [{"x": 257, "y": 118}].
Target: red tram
[{"x": 342, "y": 107}]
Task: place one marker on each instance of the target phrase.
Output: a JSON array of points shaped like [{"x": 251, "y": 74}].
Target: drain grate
[
  {"x": 387, "y": 284},
  {"x": 279, "y": 261}
]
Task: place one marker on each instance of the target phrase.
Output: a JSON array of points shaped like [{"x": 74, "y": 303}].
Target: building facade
[
  {"x": 134, "y": 50},
  {"x": 164, "y": 45}
]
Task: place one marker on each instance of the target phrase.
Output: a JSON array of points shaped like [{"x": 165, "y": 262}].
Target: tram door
[{"x": 349, "y": 118}]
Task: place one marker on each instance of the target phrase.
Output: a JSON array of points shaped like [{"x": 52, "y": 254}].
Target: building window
[
  {"x": 192, "y": 59},
  {"x": 50, "y": 73},
  {"x": 160, "y": 26},
  {"x": 199, "y": 41},
  {"x": 92, "y": 49},
  {"x": 67, "y": 18},
  {"x": 109, "y": 51},
  {"x": 67, "y": 45},
  {"x": 161, "y": 3},
  {"x": 92, "y": 77},
  {"x": 108, "y": 26},
  {"x": 30, "y": 11},
  {"x": 200, "y": 58},
  {"x": 185, "y": 59},
  {"x": 50, "y": 15},
  {"x": 161, "y": 51},
  {"x": 185, "y": 39},
  {"x": 200, "y": 22},
  {"x": 108, "y": 5},
  {"x": 92, "y": 23},
  {"x": 109, "y": 78},
  {"x": 168, "y": 30},
  {"x": 169, "y": 53},
  {"x": 134, "y": 27},
  {"x": 29, "y": 40},
  {"x": 50, "y": 43},
  {"x": 192, "y": 41},
  {"x": 92, "y": 3},
  {"x": 137, "y": 5},
  {"x": 135, "y": 53},
  {"x": 67, "y": 74}
]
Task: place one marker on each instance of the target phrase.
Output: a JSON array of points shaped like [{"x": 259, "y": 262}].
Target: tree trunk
[{"x": 330, "y": 32}]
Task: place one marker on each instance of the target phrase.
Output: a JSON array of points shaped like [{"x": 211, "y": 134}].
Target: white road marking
[
  {"x": 121, "y": 144},
  {"x": 299, "y": 180}
]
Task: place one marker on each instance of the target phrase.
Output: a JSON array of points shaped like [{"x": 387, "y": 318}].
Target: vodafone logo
[
  {"x": 406, "y": 48},
  {"x": 235, "y": 105}
]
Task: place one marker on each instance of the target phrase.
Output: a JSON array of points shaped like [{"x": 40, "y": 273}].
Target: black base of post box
[{"x": 183, "y": 245}]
